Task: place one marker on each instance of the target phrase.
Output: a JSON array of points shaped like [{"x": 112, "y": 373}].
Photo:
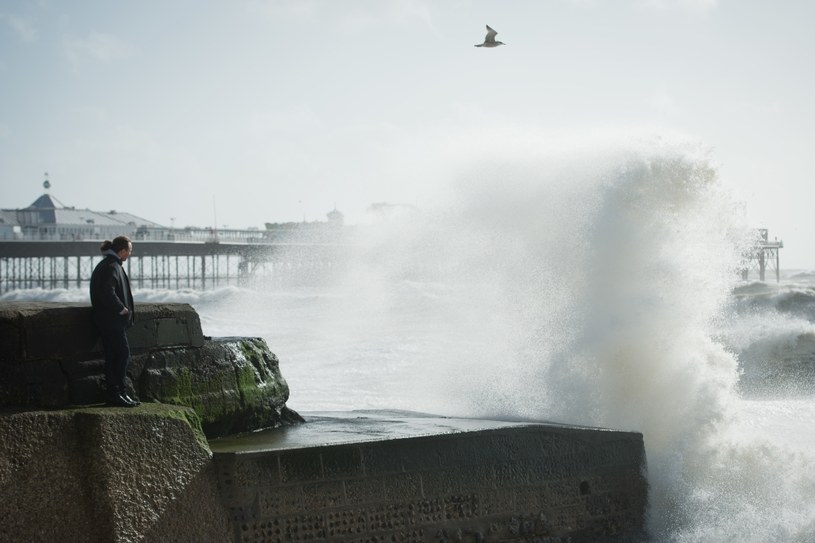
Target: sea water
[{"x": 590, "y": 286}]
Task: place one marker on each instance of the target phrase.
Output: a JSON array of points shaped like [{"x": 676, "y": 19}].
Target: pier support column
[{"x": 777, "y": 267}]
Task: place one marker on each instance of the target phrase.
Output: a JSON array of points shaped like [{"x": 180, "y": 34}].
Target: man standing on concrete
[{"x": 113, "y": 309}]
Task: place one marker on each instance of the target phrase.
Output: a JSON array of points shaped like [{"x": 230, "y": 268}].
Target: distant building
[
  {"x": 335, "y": 217},
  {"x": 48, "y": 219}
]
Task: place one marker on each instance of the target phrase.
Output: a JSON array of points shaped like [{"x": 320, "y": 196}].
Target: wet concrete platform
[
  {"x": 411, "y": 477},
  {"x": 359, "y": 426}
]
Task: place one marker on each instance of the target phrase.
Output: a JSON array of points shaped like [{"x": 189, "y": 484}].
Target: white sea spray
[{"x": 590, "y": 283}]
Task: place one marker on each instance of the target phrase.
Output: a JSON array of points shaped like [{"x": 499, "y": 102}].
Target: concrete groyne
[
  {"x": 418, "y": 478},
  {"x": 182, "y": 467},
  {"x": 51, "y": 357}
]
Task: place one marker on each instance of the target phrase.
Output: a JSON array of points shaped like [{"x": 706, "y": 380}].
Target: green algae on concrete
[
  {"x": 234, "y": 384},
  {"x": 181, "y": 413}
]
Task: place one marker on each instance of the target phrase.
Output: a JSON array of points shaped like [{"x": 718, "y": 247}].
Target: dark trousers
[{"x": 117, "y": 357}]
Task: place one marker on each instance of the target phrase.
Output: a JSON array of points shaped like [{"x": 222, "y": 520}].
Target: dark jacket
[{"x": 110, "y": 294}]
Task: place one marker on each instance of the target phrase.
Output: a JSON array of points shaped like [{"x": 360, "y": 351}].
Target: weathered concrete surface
[
  {"x": 47, "y": 347},
  {"x": 108, "y": 475},
  {"x": 51, "y": 356},
  {"x": 146, "y": 474},
  {"x": 378, "y": 476},
  {"x": 64, "y": 330}
]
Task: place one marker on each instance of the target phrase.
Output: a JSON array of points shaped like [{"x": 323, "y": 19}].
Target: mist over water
[{"x": 593, "y": 286}]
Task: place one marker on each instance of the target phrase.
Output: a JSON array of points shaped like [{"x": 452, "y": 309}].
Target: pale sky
[{"x": 242, "y": 112}]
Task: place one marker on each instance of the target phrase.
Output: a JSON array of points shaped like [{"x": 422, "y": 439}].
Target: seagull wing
[{"x": 490, "y": 35}]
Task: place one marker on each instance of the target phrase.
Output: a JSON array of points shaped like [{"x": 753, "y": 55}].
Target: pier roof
[
  {"x": 46, "y": 201},
  {"x": 48, "y": 210}
]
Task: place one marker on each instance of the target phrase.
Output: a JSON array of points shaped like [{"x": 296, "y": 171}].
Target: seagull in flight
[{"x": 489, "y": 40}]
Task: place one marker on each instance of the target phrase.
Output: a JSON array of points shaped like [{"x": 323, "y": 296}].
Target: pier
[
  {"x": 763, "y": 256},
  {"x": 49, "y": 245},
  {"x": 168, "y": 264}
]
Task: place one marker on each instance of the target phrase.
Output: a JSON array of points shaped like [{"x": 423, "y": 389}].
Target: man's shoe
[
  {"x": 127, "y": 397},
  {"x": 120, "y": 400}
]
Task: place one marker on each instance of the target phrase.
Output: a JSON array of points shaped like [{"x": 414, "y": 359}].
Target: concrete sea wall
[
  {"x": 165, "y": 472},
  {"x": 467, "y": 482},
  {"x": 147, "y": 474},
  {"x": 51, "y": 357}
]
